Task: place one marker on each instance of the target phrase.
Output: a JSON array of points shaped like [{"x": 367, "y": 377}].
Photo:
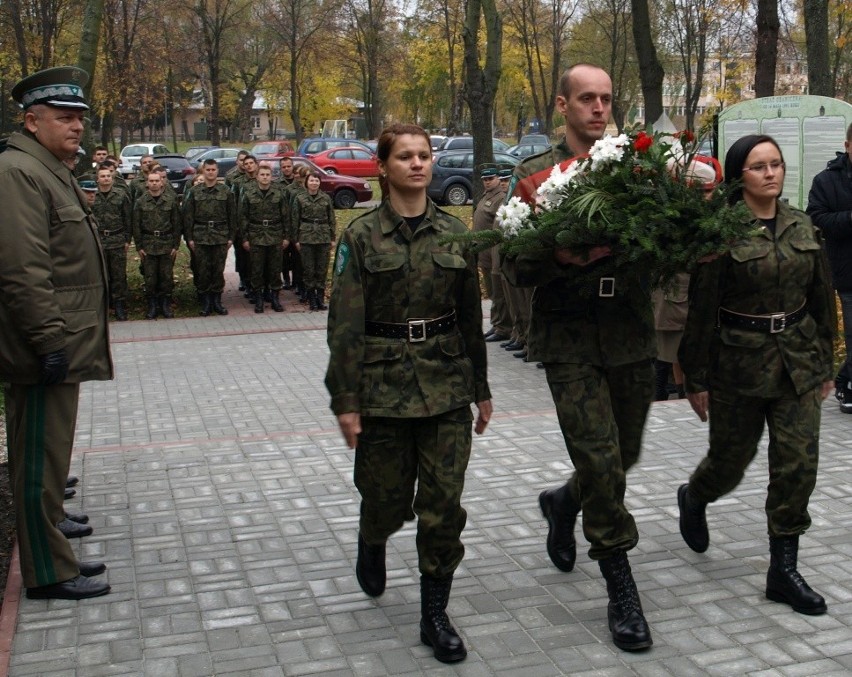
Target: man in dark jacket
[{"x": 830, "y": 208}]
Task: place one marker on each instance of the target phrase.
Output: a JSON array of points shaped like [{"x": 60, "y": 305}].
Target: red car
[
  {"x": 348, "y": 160},
  {"x": 268, "y": 150},
  {"x": 344, "y": 191}
]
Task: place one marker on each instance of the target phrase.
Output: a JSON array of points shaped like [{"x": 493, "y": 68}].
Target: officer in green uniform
[
  {"x": 237, "y": 181},
  {"x": 291, "y": 265},
  {"x": 139, "y": 184},
  {"x": 113, "y": 213},
  {"x": 407, "y": 359},
  {"x": 297, "y": 186},
  {"x": 210, "y": 224},
  {"x": 314, "y": 231},
  {"x": 157, "y": 228},
  {"x": 595, "y": 336},
  {"x": 757, "y": 352},
  {"x": 53, "y": 323},
  {"x": 264, "y": 232}
]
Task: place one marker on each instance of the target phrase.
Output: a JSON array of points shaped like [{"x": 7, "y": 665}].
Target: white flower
[
  {"x": 552, "y": 192},
  {"x": 608, "y": 149},
  {"x": 513, "y": 217}
]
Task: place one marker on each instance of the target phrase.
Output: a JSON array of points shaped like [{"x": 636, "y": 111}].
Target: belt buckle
[
  {"x": 211, "y": 224},
  {"x": 416, "y": 323},
  {"x": 265, "y": 223},
  {"x": 606, "y": 288},
  {"x": 157, "y": 233},
  {"x": 777, "y": 323},
  {"x": 106, "y": 233}
]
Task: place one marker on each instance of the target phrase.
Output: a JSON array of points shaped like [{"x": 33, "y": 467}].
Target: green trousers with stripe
[{"x": 40, "y": 423}]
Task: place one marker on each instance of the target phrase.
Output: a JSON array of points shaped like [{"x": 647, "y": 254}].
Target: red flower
[
  {"x": 642, "y": 142},
  {"x": 686, "y": 136}
]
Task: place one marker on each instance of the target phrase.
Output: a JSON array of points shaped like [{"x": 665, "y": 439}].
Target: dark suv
[
  {"x": 178, "y": 170},
  {"x": 452, "y": 175}
]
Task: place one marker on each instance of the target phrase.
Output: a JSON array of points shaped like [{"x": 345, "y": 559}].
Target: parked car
[
  {"x": 196, "y": 150},
  {"x": 452, "y": 175},
  {"x": 436, "y": 140},
  {"x": 466, "y": 143},
  {"x": 344, "y": 190},
  {"x": 271, "y": 150},
  {"x": 310, "y": 147},
  {"x": 130, "y": 156},
  {"x": 540, "y": 139},
  {"x": 523, "y": 150},
  {"x": 178, "y": 170},
  {"x": 228, "y": 156},
  {"x": 347, "y": 160}
]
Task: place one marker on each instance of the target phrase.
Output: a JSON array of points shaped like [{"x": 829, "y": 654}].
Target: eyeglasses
[{"x": 761, "y": 167}]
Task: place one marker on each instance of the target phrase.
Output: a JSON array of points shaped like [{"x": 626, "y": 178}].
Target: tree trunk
[
  {"x": 87, "y": 59},
  {"x": 766, "y": 52},
  {"x": 816, "y": 36},
  {"x": 651, "y": 71}
]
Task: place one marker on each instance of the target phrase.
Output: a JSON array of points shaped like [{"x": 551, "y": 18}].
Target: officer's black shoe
[
  {"x": 79, "y": 587},
  {"x": 318, "y": 298},
  {"x": 89, "y": 569},
  {"x": 267, "y": 295},
  {"x": 120, "y": 311},
  {"x": 152, "y": 309},
  {"x": 276, "y": 302},
  {"x": 70, "y": 493},
  {"x": 560, "y": 510},
  {"x": 627, "y": 623},
  {"x": 512, "y": 346},
  {"x": 218, "y": 308},
  {"x": 78, "y": 517},
  {"x": 495, "y": 337},
  {"x": 206, "y": 304},
  {"x": 370, "y": 568},
  {"x": 693, "y": 521},
  {"x": 783, "y": 581},
  {"x": 166, "y": 307},
  {"x": 258, "y": 301},
  {"x": 312, "y": 299},
  {"x": 71, "y": 529},
  {"x": 72, "y": 481},
  {"x": 435, "y": 628}
]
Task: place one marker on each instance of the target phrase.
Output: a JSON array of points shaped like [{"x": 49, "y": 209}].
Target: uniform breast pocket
[
  {"x": 386, "y": 279},
  {"x": 448, "y": 269},
  {"x": 67, "y": 215}
]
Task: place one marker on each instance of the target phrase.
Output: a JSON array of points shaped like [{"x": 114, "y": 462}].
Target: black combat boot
[
  {"x": 275, "y": 301},
  {"x": 627, "y": 624},
  {"x": 319, "y": 295},
  {"x": 435, "y": 628},
  {"x": 258, "y": 301},
  {"x": 783, "y": 581},
  {"x": 218, "y": 308},
  {"x": 166, "y": 307},
  {"x": 206, "y": 304},
  {"x": 152, "y": 308},
  {"x": 560, "y": 510},
  {"x": 693, "y": 521},
  {"x": 120, "y": 310},
  {"x": 370, "y": 568},
  {"x": 312, "y": 299},
  {"x": 302, "y": 292}
]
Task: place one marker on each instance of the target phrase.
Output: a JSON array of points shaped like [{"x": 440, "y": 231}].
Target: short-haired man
[
  {"x": 99, "y": 155},
  {"x": 157, "y": 228},
  {"x": 209, "y": 226},
  {"x": 236, "y": 172},
  {"x": 830, "y": 207},
  {"x": 237, "y": 183},
  {"x": 113, "y": 212},
  {"x": 139, "y": 183},
  {"x": 595, "y": 336},
  {"x": 53, "y": 323}
]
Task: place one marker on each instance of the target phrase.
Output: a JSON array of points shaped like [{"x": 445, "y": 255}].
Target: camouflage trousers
[
  {"x": 736, "y": 426},
  {"x": 266, "y": 267},
  {"x": 315, "y": 264},
  {"x": 396, "y": 455},
  {"x": 158, "y": 271},
  {"x": 210, "y": 267},
  {"x": 602, "y": 415},
  {"x": 116, "y": 265}
]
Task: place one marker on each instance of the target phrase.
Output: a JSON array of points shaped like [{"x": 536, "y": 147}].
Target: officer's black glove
[{"x": 54, "y": 368}]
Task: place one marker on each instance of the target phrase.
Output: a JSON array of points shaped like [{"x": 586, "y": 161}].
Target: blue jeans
[{"x": 844, "y": 376}]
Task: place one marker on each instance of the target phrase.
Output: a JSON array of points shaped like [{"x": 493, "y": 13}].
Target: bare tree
[
  {"x": 767, "y": 26},
  {"x": 650, "y": 69},
  {"x": 89, "y": 38},
  {"x": 816, "y": 37},
  {"x": 37, "y": 27}
]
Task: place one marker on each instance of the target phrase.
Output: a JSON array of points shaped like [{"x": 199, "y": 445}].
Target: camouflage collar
[{"x": 390, "y": 220}]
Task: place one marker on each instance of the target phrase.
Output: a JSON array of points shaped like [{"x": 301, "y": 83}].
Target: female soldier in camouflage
[
  {"x": 407, "y": 359},
  {"x": 757, "y": 351},
  {"x": 314, "y": 230}
]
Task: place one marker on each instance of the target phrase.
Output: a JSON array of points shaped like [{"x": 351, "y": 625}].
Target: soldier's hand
[
  {"x": 566, "y": 256},
  {"x": 191, "y": 245},
  {"x": 827, "y": 388},
  {"x": 141, "y": 253},
  {"x": 700, "y": 403},
  {"x": 54, "y": 368},
  {"x": 484, "y": 416},
  {"x": 284, "y": 244},
  {"x": 247, "y": 246},
  {"x": 298, "y": 247},
  {"x": 173, "y": 254},
  {"x": 126, "y": 247},
  {"x": 350, "y": 426}
]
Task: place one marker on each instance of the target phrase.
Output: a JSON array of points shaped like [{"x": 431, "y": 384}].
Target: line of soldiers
[{"x": 248, "y": 211}]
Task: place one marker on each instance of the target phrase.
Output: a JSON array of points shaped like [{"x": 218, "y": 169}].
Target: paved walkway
[{"x": 221, "y": 497}]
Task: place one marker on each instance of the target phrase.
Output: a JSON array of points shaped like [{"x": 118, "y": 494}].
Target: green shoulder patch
[
  {"x": 342, "y": 258},
  {"x": 512, "y": 183}
]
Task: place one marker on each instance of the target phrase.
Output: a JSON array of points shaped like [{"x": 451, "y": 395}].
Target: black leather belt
[
  {"x": 161, "y": 233},
  {"x": 211, "y": 224},
  {"x": 266, "y": 223},
  {"x": 314, "y": 221},
  {"x": 773, "y": 323},
  {"x": 412, "y": 331},
  {"x": 107, "y": 233}
]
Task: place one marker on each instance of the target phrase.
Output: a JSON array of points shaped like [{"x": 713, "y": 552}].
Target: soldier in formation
[
  {"x": 314, "y": 231},
  {"x": 113, "y": 213}
]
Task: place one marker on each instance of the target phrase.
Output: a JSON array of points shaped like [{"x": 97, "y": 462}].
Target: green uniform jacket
[
  {"x": 113, "y": 213},
  {"x": 384, "y": 273},
  {"x": 483, "y": 219},
  {"x": 138, "y": 186},
  {"x": 762, "y": 275},
  {"x": 570, "y": 322},
  {"x": 313, "y": 218},
  {"x": 157, "y": 225},
  {"x": 209, "y": 215},
  {"x": 258, "y": 206},
  {"x": 52, "y": 274}
]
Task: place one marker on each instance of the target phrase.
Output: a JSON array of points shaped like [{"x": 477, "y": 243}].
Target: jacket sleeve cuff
[
  {"x": 697, "y": 384},
  {"x": 344, "y": 403},
  {"x": 482, "y": 392}
]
